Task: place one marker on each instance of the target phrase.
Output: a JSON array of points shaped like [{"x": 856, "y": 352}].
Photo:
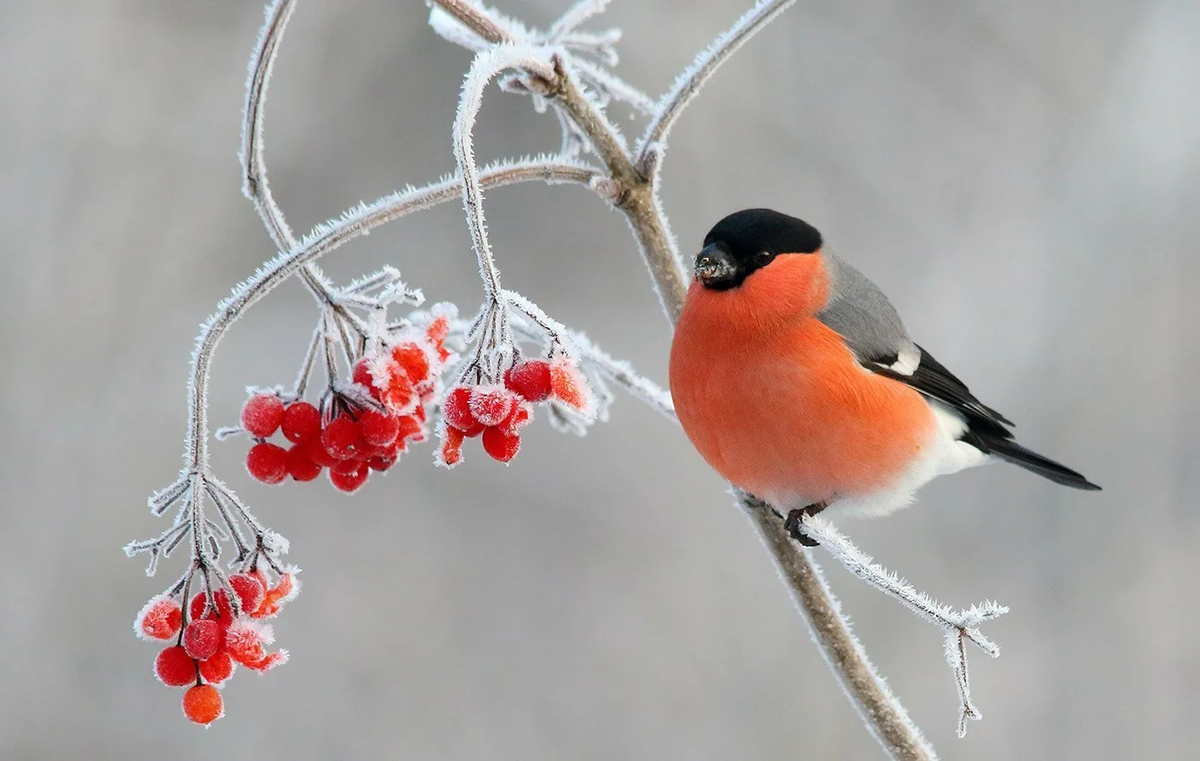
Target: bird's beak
[{"x": 715, "y": 267}]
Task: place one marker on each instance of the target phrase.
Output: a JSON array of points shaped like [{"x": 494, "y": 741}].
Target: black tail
[{"x": 1010, "y": 451}]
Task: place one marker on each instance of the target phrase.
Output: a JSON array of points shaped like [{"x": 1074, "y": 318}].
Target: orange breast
[{"x": 781, "y": 407}]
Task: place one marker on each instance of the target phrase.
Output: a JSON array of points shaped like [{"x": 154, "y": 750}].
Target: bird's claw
[{"x": 793, "y": 523}]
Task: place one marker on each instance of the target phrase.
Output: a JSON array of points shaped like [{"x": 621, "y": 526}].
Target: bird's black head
[{"x": 747, "y": 241}]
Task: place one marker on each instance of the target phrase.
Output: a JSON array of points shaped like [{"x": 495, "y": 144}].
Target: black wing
[
  {"x": 986, "y": 428},
  {"x": 932, "y": 379}
]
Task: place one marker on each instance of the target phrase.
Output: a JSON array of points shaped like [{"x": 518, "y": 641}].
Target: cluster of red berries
[
  {"x": 215, "y": 638},
  {"x": 497, "y": 413},
  {"x": 351, "y": 439}
]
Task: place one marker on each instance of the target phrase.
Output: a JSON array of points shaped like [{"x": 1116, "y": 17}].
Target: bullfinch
[{"x": 794, "y": 377}]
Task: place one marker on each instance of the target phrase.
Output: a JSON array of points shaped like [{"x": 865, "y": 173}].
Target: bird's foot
[{"x": 794, "y": 517}]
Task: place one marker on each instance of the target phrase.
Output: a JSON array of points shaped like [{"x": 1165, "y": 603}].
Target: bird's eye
[{"x": 763, "y": 258}]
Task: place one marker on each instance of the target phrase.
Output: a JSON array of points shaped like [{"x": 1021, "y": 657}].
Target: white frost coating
[
  {"x": 606, "y": 83},
  {"x": 860, "y": 652},
  {"x": 486, "y": 66},
  {"x": 577, "y": 14},
  {"x": 959, "y": 625},
  {"x": 444, "y": 23},
  {"x": 688, "y": 84}
]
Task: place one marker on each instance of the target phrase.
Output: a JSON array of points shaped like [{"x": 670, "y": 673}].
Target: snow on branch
[
  {"x": 688, "y": 84},
  {"x": 959, "y": 625}
]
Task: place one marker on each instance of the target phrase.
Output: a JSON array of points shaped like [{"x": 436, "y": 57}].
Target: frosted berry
[
  {"x": 262, "y": 414},
  {"x": 159, "y": 619},
  {"x": 174, "y": 667},
  {"x": 362, "y": 376},
  {"x": 491, "y": 405},
  {"x": 500, "y": 445},
  {"x": 399, "y": 393},
  {"x": 342, "y": 437},
  {"x": 352, "y": 481},
  {"x": 249, "y": 589},
  {"x": 203, "y": 638},
  {"x": 301, "y": 422},
  {"x": 267, "y": 462},
  {"x": 217, "y": 669},
  {"x": 451, "y": 451},
  {"x": 529, "y": 379},
  {"x": 300, "y": 465},
  {"x": 437, "y": 332},
  {"x": 410, "y": 428},
  {"x": 284, "y": 590},
  {"x": 381, "y": 462},
  {"x": 517, "y": 419},
  {"x": 412, "y": 360},
  {"x": 379, "y": 429},
  {"x": 198, "y": 608},
  {"x": 317, "y": 452},
  {"x": 202, "y": 704},
  {"x": 457, "y": 409},
  {"x": 570, "y": 387}
]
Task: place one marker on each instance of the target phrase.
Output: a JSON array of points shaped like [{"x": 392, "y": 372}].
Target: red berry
[
  {"x": 217, "y": 668},
  {"x": 300, "y": 465},
  {"x": 500, "y": 445},
  {"x": 451, "y": 451},
  {"x": 399, "y": 393},
  {"x": 267, "y": 462},
  {"x": 301, "y": 422},
  {"x": 174, "y": 667},
  {"x": 202, "y": 704},
  {"x": 203, "y": 638},
  {"x": 412, "y": 360},
  {"x": 159, "y": 619},
  {"x": 437, "y": 332},
  {"x": 491, "y": 405},
  {"x": 262, "y": 414},
  {"x": 198, "y": 607},
  {"x": 362, "y": 376},
  {"x": 516, "y": 420},
  {"x": 529, "y": 379},
  {"x": 410, "y": 429},
  {"x": 381, "y": 462},
  {"x": 379, "y": 429},
  {"x": 346, "y": 466},
  {"x": 570, "y": 387},
  {"x": 352, "y": 481},
  {"x": 250, "y": 591},
  {"x": 342, "y": 437},
  {"x": 457, "y": 409},
  {"x": 317, "y": 452}
]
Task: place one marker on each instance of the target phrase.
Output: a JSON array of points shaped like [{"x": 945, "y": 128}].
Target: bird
[{"x": 796, "y": 380}]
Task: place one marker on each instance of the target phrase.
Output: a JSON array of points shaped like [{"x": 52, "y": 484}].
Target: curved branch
[
  {"x": 321, "y": 241},
  {"x": 483, "y": 69},
  {"x": 688, "y": 84},
  {"x": 255, "y": 185}
]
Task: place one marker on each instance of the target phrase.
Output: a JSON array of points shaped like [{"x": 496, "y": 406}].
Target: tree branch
[
  {"x": 634, "y": 193},
  {"x": 688, "y": 85}
]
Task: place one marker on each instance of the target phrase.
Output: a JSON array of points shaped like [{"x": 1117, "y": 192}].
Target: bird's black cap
[{"x": 749, "y": 240}]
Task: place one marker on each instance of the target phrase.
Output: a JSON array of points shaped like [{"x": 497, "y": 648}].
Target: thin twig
[{"x": 691, "y": 80}]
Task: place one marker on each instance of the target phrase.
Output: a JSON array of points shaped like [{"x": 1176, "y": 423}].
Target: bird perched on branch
[{"x": 794, "y": 377}]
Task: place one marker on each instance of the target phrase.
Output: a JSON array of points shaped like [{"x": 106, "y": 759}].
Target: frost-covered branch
[
  {"x": 255, "y": 183},
  {"x": 332, "y": 235},
  {"x": 691, "y": 80},
  {"x": 958, "y": 625},
  {"x": 486, "y": 66}
]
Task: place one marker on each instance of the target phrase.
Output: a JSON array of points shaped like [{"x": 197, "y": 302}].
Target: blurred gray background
[{"x": 1022, "y": 178}]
